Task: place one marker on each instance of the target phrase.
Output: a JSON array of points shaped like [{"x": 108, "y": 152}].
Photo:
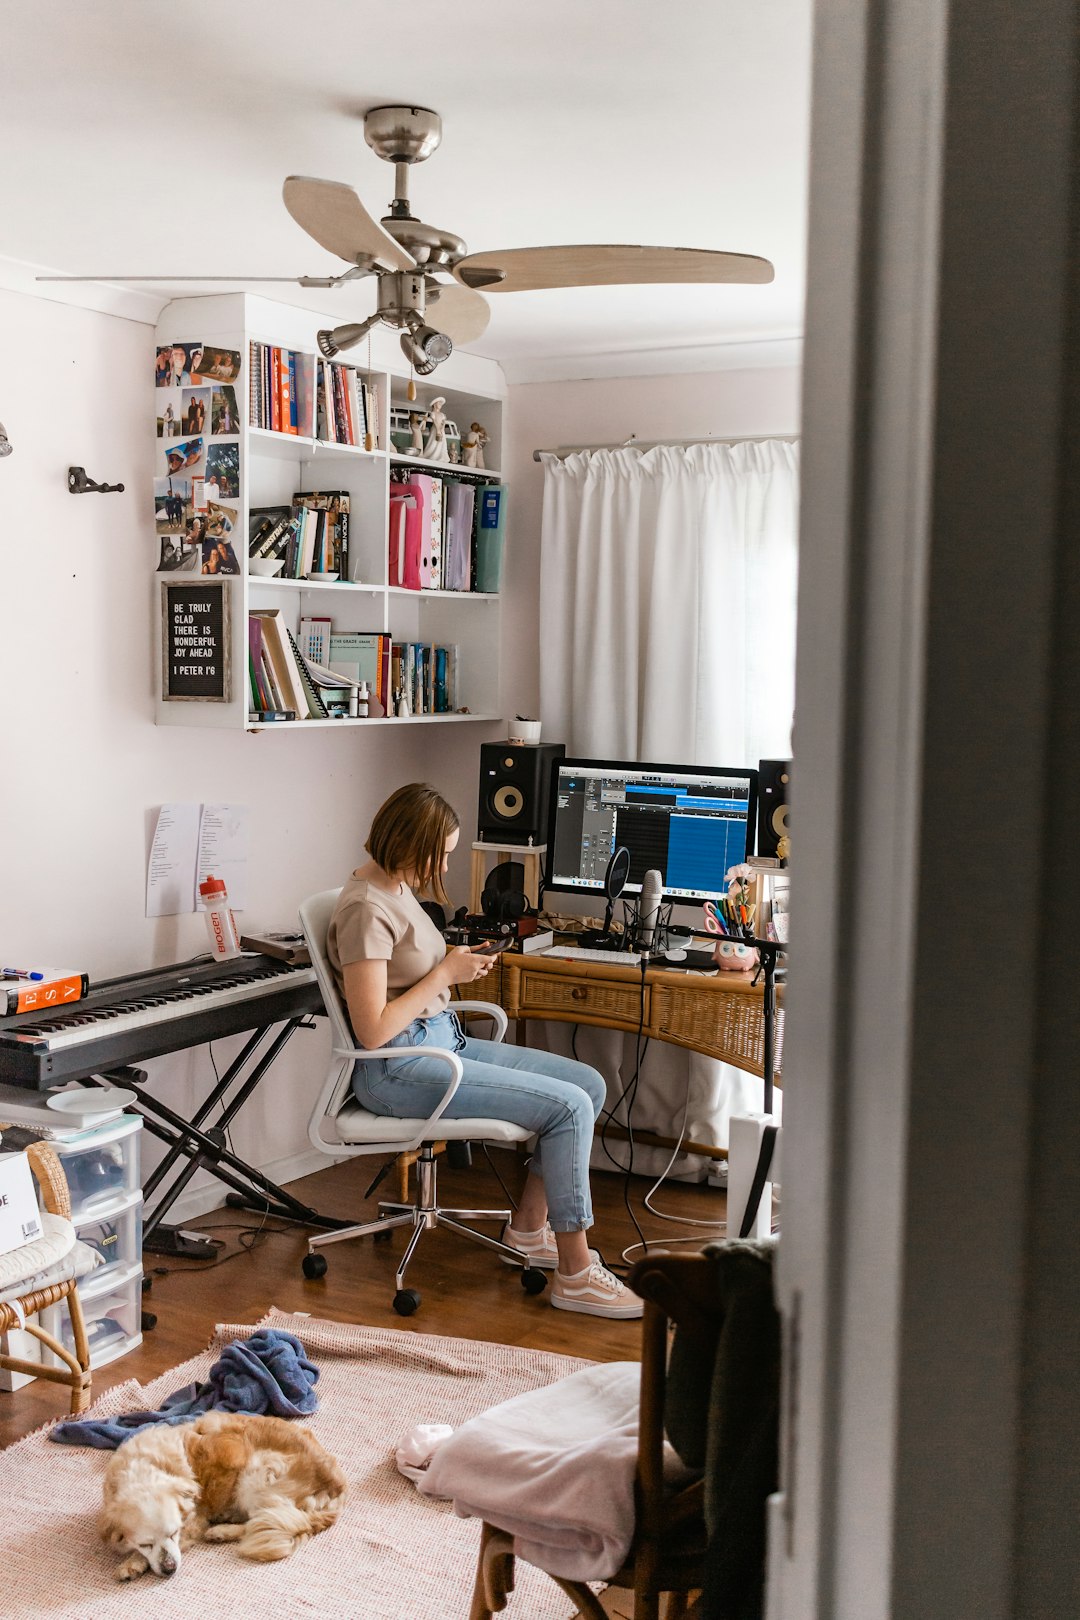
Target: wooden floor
[{"x": 465, "y": 1292}]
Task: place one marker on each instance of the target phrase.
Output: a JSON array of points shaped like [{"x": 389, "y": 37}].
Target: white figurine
[
  {"x": 472, "y": 448},
  {"x": 417, "y": 420},
  {"x": 435, "y": 446}
]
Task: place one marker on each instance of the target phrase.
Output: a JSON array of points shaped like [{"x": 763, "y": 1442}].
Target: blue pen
[{"x": 19, "y": 973}]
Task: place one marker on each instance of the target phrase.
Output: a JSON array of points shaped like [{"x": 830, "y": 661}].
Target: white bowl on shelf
[
  {"x": 317, "y": 575},
  {"x": 267, "y": 566}
]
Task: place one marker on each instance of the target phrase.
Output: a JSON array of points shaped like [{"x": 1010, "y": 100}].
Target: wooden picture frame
[{"x": 196, "y": 640}]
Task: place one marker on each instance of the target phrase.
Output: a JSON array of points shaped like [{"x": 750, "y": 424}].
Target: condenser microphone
[{"x": 652, "y": 893}]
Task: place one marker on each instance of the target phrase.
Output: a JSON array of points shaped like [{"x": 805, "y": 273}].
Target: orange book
[
  {"x": 40, "y": 995},
  {"x": 275, "y": 390}
]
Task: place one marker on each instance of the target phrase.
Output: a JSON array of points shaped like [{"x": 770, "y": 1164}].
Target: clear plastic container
[
  {"x": 116, "y": 1235},
  {"x": 101, "y": 1166},
  {"x": 113, "y": 1318}
]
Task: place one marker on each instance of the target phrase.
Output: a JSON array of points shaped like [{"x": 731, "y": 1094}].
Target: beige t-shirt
[{"x": 370, "y": 924}]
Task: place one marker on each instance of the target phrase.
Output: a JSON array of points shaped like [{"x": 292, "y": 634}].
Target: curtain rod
[{"x": 633, "y": 442}]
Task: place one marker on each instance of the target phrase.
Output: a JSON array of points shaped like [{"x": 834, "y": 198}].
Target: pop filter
[{"x": 618, "y": 869}]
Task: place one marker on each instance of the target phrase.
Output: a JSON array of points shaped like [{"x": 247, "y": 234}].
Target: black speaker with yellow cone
[
  {"x": 774, "y": 826},
  {"x": 515, "y": 784}
]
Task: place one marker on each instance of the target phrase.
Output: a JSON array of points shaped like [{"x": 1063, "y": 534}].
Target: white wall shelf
[{"x": 274, "y": 466}]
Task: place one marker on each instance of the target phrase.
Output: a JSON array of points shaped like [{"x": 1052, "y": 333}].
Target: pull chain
[
  {"x": 369, "y": 437},
  {"x": 410, "y": 393}
]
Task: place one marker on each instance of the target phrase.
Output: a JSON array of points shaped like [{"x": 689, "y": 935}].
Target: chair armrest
[
  {"x": 487, "y": 1009},
  {"x": 45, "y": 1164},
  {"x": 400, "y": 1054}
]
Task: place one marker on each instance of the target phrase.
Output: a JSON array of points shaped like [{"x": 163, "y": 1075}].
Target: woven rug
[{"x": 393, "y": 1554}]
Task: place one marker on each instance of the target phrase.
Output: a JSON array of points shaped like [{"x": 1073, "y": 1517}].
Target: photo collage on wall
[{"x": 197, "y": 478}]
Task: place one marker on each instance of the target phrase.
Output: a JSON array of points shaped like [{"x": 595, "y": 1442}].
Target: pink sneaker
[
  {"x": 595, "y": 1292},
  {"x": 538, "y": 1246}
]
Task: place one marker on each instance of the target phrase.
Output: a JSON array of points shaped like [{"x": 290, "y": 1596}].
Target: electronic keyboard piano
[
  {"x": 126, "y": 1021},
  {"x": 144, "y": 1015}
]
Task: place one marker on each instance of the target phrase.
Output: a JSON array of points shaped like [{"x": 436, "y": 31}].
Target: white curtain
[{"x": 667, "y": 620}]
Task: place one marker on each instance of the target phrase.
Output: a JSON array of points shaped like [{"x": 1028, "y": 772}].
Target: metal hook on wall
[{"x": 79, "y": 484}]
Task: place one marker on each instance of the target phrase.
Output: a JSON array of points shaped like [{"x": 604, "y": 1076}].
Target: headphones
[{"x": 504, "y": 900}]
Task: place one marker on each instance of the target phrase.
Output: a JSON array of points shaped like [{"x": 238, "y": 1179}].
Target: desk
[{"x": 721, "y": 1015}]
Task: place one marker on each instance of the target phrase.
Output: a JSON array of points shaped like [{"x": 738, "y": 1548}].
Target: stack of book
[
  {"x": 446, "y": 533},
  {"x": 274, "y": 388},
  {"x": 346, "y": 407},
  {"x": 309, "y": 537},
  {"x": 426, "y": 675}
]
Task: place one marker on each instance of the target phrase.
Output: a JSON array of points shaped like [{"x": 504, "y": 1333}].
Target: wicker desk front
[{"x": 721, "y": 1014}]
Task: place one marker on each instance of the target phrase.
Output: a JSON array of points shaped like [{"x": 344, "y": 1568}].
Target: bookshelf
[{"x": 262, "y": 466}]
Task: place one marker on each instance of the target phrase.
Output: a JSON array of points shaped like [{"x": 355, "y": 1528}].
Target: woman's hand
[{"x": 462, "y": 965}]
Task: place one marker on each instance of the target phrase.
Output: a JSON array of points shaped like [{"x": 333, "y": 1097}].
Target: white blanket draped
[
  {"x": 667, "y": 619},
  {"x": 555, "y": 1469}
]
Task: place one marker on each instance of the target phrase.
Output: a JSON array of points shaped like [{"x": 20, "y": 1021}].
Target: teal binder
[{"x": 490, "y": 528}]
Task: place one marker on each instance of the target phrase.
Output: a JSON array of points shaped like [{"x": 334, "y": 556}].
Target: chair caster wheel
[
  {"x": 148, "y": 1321},
  {"x": 406, "y": 1301},
  {"x": 533, "y": 1280},
  {"x": 314, "y": 1266}
]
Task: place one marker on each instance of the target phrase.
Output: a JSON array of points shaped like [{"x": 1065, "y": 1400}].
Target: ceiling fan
[{"x": 428, "y": 285}]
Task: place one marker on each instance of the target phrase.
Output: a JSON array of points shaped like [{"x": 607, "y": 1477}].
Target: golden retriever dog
[{"x": 266, "y": 1484}]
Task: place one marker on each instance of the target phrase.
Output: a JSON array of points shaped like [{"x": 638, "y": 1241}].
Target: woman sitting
[{"x": 395, "y": 973}]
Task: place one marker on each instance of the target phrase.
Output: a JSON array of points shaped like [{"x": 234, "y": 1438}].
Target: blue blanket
[{"x": 268, "y": 1373}]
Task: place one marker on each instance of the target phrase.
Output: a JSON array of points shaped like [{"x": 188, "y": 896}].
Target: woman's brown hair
[{"x": 409, "y": 834}]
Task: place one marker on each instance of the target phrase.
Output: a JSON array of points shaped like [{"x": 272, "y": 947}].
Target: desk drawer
[{"x": 588, "y": 999}]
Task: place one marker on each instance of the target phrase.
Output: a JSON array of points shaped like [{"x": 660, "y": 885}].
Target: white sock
[{"x": 521, "y": 1232}]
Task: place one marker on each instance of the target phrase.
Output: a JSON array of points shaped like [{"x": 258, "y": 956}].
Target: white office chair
[{"x": 342, "y": 1128}]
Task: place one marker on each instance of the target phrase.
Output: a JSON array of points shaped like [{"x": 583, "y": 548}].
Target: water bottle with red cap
[{"x": 220, "y": 922}]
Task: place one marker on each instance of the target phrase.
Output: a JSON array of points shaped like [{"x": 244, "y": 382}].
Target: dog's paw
[
  {"x": 224, "y": 1532},
  {"x": 132, "y": 1566}
]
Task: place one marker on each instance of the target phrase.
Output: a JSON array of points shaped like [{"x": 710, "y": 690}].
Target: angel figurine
[
  {"x": 417, "y": 420},
  {"x": 472, "y": 447},
  {"x": 435, "y": 445}
]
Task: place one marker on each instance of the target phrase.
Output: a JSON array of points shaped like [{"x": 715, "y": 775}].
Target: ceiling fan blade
[
  {"x": 602, "y": 265},
  {"x": 333, "y": 214},
  {"x": 301, "y": 281},
  {"x": 459, "y": 312}
]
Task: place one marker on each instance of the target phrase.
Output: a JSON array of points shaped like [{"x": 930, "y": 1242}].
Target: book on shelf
[
  {"x": 322, "y": 534},
  {"x": 57, "y": 987},
  {"x": 282, "y": 663},
  {"x": 345, "y": 406},
  {"x": 426, "y": 674},
  {"x": 316, "y": 706},
  {"x": 315, "y": 638},
  {"x": 362, "y": 656},
  {"x": 273, "y": 388}
]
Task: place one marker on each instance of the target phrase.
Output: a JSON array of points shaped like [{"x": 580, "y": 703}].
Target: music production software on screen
[{"x": 689, "y": 827}]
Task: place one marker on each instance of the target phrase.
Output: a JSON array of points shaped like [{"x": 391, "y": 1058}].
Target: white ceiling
[{"x": 141, "y": 136}]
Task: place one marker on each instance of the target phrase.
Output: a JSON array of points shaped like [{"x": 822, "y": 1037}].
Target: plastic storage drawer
[
  {"x": 101, "y": 1166},
  {"x": 113, "y": 1316},
  {"x": 116, "y": 1234}
]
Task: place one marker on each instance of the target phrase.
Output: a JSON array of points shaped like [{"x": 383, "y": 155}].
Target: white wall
[
  {"x": 85, "y": 768},
  {"x": 723, "y": 404}
]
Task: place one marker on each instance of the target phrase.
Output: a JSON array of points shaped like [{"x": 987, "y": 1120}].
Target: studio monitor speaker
[
  {"x": 514, "y": 782},
  {"x": 774, "y": 781}
]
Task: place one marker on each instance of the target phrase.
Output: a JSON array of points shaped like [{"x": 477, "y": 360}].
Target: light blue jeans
[{"x": 555, "y": 1097}]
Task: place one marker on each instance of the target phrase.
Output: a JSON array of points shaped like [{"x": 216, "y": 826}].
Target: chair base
[{"x": 425, "y": 1215}]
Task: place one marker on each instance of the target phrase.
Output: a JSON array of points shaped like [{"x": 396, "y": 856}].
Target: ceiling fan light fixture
[
  {"x": 331, "y": 342},
  {"x": 425, "y": 348}
]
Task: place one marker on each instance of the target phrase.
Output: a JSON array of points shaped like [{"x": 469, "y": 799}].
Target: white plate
[
  {"x": 265, "y": 566},
  {"x": 100, "y": 1100},
  {"x": 322, "y": 576}
]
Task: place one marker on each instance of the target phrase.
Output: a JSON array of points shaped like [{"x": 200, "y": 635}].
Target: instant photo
[
  {"x": 172, "y": 504},
  {"x": 215, "y": 365},
  {"x": 223, "y": 469},
  {"x": 184, "y": 455},
  {"x": 196, "y": 404},
  {"x": 224, "y": 416}
]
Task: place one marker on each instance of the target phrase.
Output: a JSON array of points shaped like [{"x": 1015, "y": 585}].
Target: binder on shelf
[
  {"x": 316, "y": 708},
  {"x": 490, "y": 528},
  {"x": 457, "y": 542},
  {"x": 406, "y": 526}
]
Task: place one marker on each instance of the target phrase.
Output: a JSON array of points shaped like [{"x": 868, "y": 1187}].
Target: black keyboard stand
[{"x": 205, "y": 1147}]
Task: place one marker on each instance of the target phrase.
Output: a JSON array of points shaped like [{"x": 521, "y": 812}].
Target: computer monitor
[{"x": 688, "y": 822}]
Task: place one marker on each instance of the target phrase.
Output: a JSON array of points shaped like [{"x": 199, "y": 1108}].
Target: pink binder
[{"x": 406, "y": 531}]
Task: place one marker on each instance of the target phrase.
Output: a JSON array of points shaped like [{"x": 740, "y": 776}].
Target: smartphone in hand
[{"x": 491, "y": 947}]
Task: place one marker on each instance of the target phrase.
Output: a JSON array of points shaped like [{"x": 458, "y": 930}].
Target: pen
[{"x": 19, "y": 973}]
